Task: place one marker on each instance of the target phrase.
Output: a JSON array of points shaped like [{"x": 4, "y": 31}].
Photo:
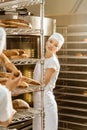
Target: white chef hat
[
  {"x": 2, "y": 39},
  {"x": 58, "y": 37}
]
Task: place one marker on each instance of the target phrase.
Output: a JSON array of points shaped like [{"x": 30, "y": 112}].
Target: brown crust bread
[
  {"x": 20, "y": 51},
  {"x": 17, "y": 22},
  {"x": 30, "y": 81},
  {"x": 3, "y": 81},
  {"x": 8, "y": 65},
  {"x": 10, "y": 52},
  {"x": 5, "y": 74},
  {"x": 23, "y": 56},
  {"x": 23, "y": 85},
  {"x": 25, "y": 81},
  {"x": 20, "y": 104},
  {"x": 2, "y": 25}
]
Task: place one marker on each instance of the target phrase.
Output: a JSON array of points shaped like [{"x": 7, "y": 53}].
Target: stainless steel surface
[
  {"x": 71, "y": 89},
  {"x": 49, "y": 24}
]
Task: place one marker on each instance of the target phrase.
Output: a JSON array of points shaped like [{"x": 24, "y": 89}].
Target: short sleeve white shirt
[{"x": 5, "y": 103}]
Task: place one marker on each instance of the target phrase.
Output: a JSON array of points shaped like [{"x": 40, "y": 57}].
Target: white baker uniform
[
  {"x": 5, "y": 103},
  {"x": 50, "y": 106}
]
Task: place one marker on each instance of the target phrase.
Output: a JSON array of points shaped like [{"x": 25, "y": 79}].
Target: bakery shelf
[
  {"x": 71, "y": 94},
  {"x": 73, "y": 57},
  {"x": 11, "y": 4},
  {"x": 72, "y": 101},
  {"x": 75, "y": 116},
  {"x": 22, "y": 31},
  {"x": 25, "y": 114},
  {"x": 72, "y": 80},
  {"x": 76, "y": 42},
  {"x": 25, "y": 61},
  {"x": 74, "y": 50},
  {"x": 72, "y": 108},
  {"x": 73, "y": 72},
  {"x": 77, "y": 34},
  {"x": 73, "y": 123},
  {"x": 76, "y": 65},
  {"x": 31, "y": 88},
  {"x": 72, "y": 87}
]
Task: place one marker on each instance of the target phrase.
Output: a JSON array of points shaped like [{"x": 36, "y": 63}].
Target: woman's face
[{"x": 52, "y": 46}]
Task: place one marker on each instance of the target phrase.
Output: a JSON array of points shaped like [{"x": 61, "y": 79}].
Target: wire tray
[
  {"x": 25, "y": 114},
  {"x": 11, "y": 4}
]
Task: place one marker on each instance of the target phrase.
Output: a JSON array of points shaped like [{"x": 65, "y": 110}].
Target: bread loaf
[
  {"x": 8, "y": 65},
  {"x": 10, "y": 52},
  {"x": 30, "y": 81},
  {"x": 23, "y": 85},
  {"x": 3, "y": 81},
  {"x": 17, "y": 22},
  {"x": 17, "y": 57},
  {"x": 20, "y": 104},
  {"x": 25, "y": 81},
  {"x": 5, "y": 74}
]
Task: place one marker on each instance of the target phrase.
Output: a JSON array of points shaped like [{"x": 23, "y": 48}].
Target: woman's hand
[{"x": 13, "y": 81}]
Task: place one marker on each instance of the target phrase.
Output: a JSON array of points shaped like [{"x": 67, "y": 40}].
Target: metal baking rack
[
  {"x": 25, "y": 114},
  {"x": 31, "y": 88},
  {"x": 25, "y": 61},
  {"x": 11, "y": 4},
  {"x": 22, "y": 31}
]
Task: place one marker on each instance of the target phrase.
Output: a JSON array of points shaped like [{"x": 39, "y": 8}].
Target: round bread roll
[{"x": 20, "y": 104}]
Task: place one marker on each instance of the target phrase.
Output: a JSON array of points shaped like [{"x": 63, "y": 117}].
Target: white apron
[{"x": 50, "y": 106}]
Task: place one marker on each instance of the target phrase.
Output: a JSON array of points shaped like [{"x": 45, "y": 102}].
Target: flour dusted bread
[{"x": 20, "y": 104}]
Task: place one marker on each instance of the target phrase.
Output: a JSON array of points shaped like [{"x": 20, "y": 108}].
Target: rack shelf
[
  {"x": 22, "y": 31},
  {"x": 71, "y": 89},
  {"x": 11, "y": 4},
  {"x": 27, "y": 61}
]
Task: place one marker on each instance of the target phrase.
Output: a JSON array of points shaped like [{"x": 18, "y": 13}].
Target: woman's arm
[{"x": 48, "y": 74}]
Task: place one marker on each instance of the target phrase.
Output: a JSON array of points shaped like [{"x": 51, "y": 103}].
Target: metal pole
[{"x": 42, "y": 62}]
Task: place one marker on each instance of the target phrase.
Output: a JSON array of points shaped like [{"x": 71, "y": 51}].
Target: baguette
[
  {"x": 20, "y": 51},
  {"x": 3, "y": 81},
  {"x": 25, "y": 81},
  {"x": 8, "y": 65},
  {"x": 10, "y": 52},
  {"x": 17, "y": 22},
  {"x": 30, "y": 81},
  {"x": 23, "y": 85},
  {"x": 23, "y": 56},
  {"x": 5, "y": 74}
]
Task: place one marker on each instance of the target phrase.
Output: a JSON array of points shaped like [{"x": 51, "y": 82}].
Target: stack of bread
[
  {"x": 12, "y": 68},
  {"x": 15, "y": 54},
  {"x": 15, "y": 23}
]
